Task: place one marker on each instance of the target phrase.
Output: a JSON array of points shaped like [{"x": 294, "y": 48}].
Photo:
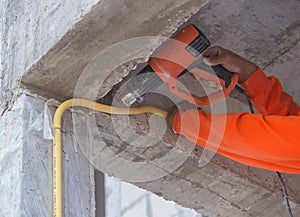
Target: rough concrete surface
[
  {"x": 26, "y": 159},
  {"x": 266, "y": 32},
  {"x": 10, "y": 163},
  {"x": 26, "y": 164},
  {"x": 109, "y": 22},
  {"x": 18, "y": 19}
]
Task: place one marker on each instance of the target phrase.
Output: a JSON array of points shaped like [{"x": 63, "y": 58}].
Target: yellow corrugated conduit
[{"x": 57, "y": 141}]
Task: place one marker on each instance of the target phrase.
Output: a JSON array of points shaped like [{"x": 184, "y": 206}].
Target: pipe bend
[{"x": 57, "y": 142}]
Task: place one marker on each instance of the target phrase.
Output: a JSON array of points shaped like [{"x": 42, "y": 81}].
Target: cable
[
  {"x": 278, "y": 174},
  {"x": 284, "y": 192},
  {"x": 250, "y": 104}
]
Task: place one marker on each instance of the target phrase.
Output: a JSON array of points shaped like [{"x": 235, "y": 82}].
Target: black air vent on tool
[{"x": 197, "y": 46}]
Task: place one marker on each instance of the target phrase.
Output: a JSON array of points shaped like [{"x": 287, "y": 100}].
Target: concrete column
[{"x": 26, "y": 163}]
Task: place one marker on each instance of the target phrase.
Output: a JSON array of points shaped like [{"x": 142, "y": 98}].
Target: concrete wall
[
  {"x": 11, "y": 162},
  {"x": 26, "y": 163},
  {"x": 26, "y": 157},
  {"x": 18, "y": 19}
]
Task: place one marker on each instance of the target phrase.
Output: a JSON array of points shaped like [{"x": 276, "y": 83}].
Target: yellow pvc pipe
[{"x": 57, "y": 142}]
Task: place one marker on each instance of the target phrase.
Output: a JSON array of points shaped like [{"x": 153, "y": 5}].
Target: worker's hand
[{"x": 229, "y": 60}]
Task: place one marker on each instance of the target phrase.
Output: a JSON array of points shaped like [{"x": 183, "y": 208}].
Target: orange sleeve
[
  {"x": 266, "y": 141},
  {"x": 267, "y": 96}
]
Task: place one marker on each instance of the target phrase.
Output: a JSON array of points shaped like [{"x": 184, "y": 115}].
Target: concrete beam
[
  {"x": 19, "y": 47},
  {"x": 108, "y": 22}
]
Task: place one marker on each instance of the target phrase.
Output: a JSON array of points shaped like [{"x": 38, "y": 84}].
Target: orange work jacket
[{"x": 269, "y": 140}]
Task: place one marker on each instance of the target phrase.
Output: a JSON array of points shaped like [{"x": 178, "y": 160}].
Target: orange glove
[{"x": 180, "y": 107}]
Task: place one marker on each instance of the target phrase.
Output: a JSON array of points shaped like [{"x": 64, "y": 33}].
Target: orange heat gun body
[{"x": 180, "y": 55}]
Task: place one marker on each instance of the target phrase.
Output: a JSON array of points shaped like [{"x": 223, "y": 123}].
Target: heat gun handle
[
  {"x": 223, "y": 74},
  {"x": 212, "y": 98},
  {"x": 217, "y": 71}
]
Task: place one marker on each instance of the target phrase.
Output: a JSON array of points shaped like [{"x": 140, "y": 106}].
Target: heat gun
[{"x": 180, "y": 55}]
